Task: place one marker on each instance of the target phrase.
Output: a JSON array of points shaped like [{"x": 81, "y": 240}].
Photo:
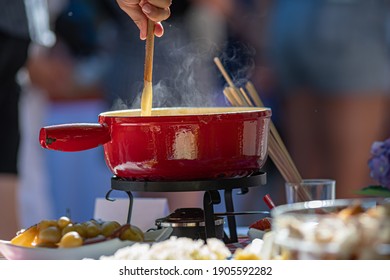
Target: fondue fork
[
  {"x": 147, "y": 93},
  {"x": 277, "y": 149}
]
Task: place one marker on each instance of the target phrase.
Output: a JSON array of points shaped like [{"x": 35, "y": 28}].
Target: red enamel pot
[{"x": 172, "y": 143}]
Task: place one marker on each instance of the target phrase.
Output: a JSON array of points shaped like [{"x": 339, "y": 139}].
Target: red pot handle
[{"x": 74, "y": 137}]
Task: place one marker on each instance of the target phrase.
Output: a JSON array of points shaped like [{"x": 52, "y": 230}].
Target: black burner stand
[{"x": 211, "y": 196}]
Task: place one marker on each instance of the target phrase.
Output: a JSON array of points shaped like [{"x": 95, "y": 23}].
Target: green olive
[
  {"x": 45, "y": 224},
  {"x": 70, "y": 240},
  {"x": 81, "y": 229},
  {"x": 132, "y": 233},
  {"x": 63, "y": 222},
  {"x": 109, "y": 227},
  {"x": 49, "y": 235},
  {"x": 68, "y": 228},
  {"x": 92, "y": 229}
]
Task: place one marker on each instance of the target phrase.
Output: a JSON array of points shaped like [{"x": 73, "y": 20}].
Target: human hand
[{"x": 141, "y": 10}]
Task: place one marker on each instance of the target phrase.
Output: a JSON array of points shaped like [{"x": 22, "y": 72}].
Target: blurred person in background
[
  {"x": 14, "y": 41},
  {"x": 20, "y": 23},
  {"x": 63, "y": 86},
  {"x": 332, "y": 62}
]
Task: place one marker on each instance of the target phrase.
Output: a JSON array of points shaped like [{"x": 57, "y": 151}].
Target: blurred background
[{"x": 323, "y": 67}]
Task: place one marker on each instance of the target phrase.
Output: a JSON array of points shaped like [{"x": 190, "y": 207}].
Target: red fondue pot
[{"x": 172, "y": 143}]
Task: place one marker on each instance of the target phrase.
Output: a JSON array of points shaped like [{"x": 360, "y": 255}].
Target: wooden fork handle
[{"x": 149, "y": 52}]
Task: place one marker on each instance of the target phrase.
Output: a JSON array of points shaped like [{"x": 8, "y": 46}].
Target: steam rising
[
  {"x": 238, "y": 60},
  {"x": 184, "y": 75}
]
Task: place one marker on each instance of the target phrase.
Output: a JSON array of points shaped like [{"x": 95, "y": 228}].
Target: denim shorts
[
  {"x": 332, "y": 46},
  {"x": 13, "y": 55}
]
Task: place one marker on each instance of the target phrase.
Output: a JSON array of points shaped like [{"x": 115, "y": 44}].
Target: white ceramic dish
[
  {"x": 92, "y": 251},
  {"x": 316, "y": 230}
]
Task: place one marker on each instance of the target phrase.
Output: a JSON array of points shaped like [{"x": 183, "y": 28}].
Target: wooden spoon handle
[{"x": 148, "y": 70}]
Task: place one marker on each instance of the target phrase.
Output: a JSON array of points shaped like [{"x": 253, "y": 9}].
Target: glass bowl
[{"x": 333, "y": 229}]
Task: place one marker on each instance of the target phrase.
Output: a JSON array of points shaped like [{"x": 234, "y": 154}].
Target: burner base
[
  {"x": 211, "y": 197},
  {"x": 189, "y": 222}
]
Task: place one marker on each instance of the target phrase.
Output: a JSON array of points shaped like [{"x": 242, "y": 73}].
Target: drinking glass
[{"x": 310, "y": 189}]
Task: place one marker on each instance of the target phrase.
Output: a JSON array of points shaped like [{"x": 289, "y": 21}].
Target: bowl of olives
[{"x": 63, "y": 239}]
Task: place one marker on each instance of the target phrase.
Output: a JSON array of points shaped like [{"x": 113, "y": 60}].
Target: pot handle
[{"x": 74, "y": 137}]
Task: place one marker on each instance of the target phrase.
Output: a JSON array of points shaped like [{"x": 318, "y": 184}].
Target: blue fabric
[
  {"x": 76, "y": 179},
  {"x": 333, "y": 46}
]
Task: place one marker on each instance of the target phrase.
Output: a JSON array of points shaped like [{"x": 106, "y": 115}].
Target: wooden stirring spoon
[{"x": 147, "y": 93}]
